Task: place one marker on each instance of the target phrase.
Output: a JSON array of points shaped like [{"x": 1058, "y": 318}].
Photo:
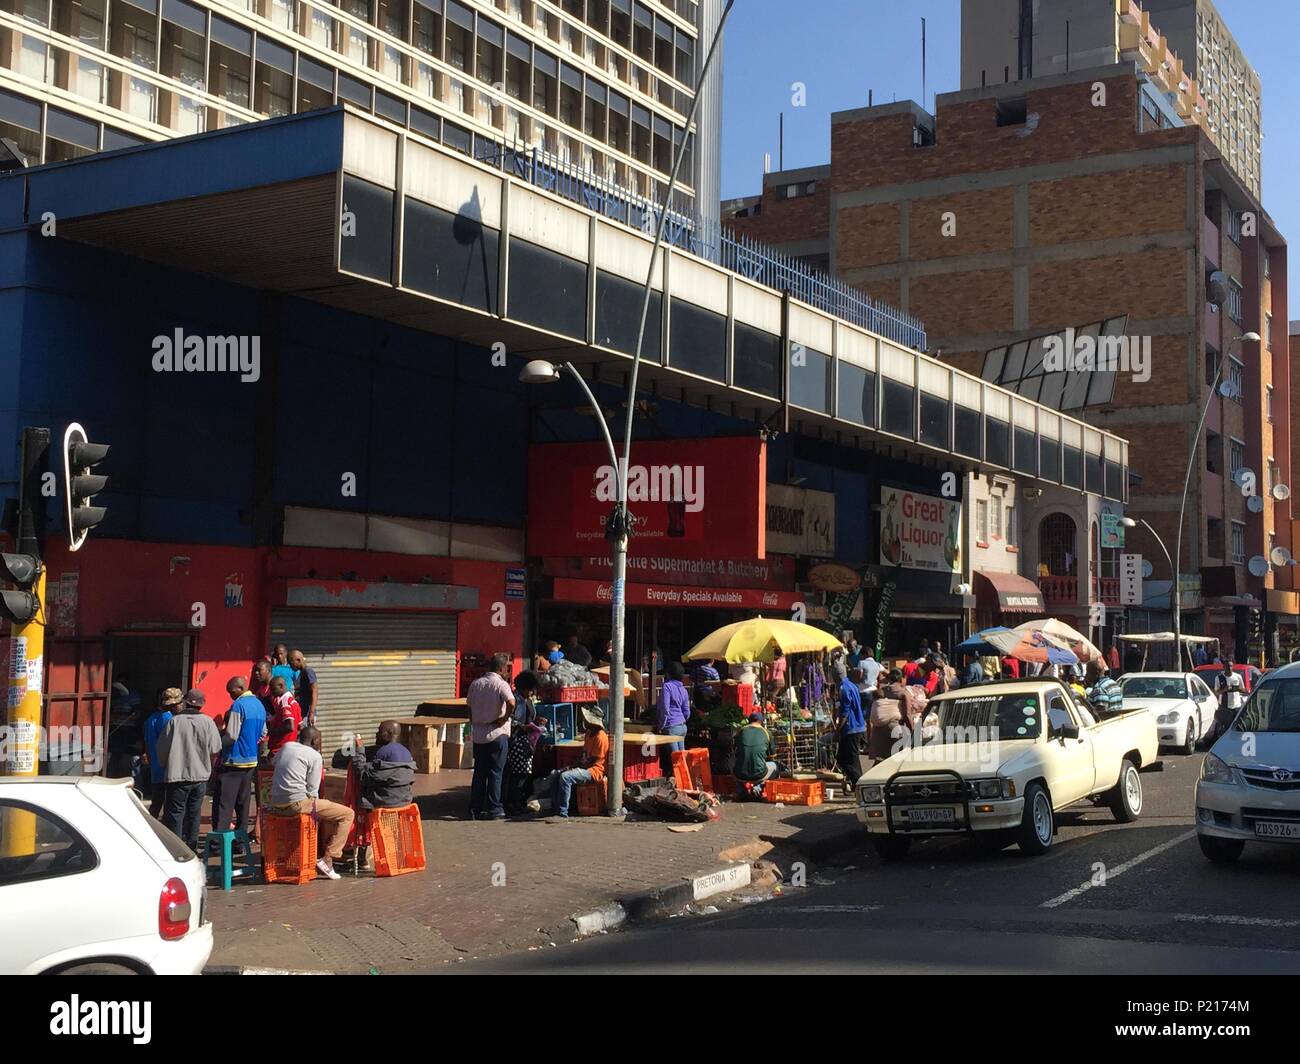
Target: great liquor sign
[{"x": 920, "y": 531}]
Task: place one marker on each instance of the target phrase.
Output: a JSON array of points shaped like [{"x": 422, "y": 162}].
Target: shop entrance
[{"x": 147, "y": 663}]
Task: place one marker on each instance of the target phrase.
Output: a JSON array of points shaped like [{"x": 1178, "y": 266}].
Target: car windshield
[
  {"x": 1272, "y": 707},
  {"x": 1155, "y": 687},
  {"x": 1007, "y": 716}
]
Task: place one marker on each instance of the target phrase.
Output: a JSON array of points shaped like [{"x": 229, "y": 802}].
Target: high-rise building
[
  {"x": 1183, "y": 47},
  {"x": 603, "y": 86}
]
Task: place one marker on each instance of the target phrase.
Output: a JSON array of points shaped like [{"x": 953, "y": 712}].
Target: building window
[
  {"x": 981, "y": 521},
  {"x": 1274, "y": 475},
  {"x": 1236, "y": 378},
  {"x": 1268, "y": 330},
  {"x": 1013, "y": 112},
  {"x": 995, "y": 517},
  {"x": 1268, "y": 402},
  {"x": 1214, "y": 453},
  {"x": 1238, "y": 542},
  {"x": 1011, "y": 526},
  {"x": 1236, "y": 455},
  {"x": 1234, "y": 301},
  {"x": 1211, "y": 366}
]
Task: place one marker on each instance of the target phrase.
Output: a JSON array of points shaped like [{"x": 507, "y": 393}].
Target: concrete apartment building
[
  {"x": 602, "y": 86},
  {"x": 1025, "y": 208},
  {"x": 1184, "y": 47}
]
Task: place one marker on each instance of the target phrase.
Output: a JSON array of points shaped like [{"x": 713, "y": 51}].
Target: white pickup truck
[{"x": 1005, "y": 758}]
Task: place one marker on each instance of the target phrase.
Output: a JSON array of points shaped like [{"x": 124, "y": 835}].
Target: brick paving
[{"x": 492, "y": 887}]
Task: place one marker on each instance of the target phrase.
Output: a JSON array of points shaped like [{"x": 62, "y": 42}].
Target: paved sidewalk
[{"x": 494, "y": 887}]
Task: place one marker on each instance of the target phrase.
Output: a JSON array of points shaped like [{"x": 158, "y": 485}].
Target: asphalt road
[{"x": 1107, "y": 899}]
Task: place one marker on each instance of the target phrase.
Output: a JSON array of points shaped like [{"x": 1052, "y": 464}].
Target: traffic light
[
  {"x": 21, "y": 606},
  {"x": 1256, "y": 625},
  {"x": 79, "y": 483}
]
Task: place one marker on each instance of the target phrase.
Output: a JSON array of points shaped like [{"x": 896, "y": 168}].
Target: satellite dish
[
  {"x": 1239, "y": 477},
  {"x": 1147, "y": 569},
  {"x": 1216, "y": 288},
  {"x": 1280, "y": 556},
  {"x": 1258, "y": 565},
  {"x": 1255, "y": 504},
  {"x": 1281, "y": 491},
  {"x": 1226, "y": 389}
]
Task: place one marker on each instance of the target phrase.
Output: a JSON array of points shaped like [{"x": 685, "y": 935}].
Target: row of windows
[
  {"x": 180, "y": 41},
  {"x": 444, "y": 258},
  {"x": 993, "y": 521},
  {"x": 1214, "y": 545}
]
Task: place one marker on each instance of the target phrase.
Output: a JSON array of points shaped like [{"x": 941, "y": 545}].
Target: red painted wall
[{"x": 125, "y": 583}]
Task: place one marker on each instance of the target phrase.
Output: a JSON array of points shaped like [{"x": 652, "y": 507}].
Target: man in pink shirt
[{"x": 491, "y": 704}]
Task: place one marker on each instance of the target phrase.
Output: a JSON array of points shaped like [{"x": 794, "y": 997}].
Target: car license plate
[
  {"x": 931, "y": 816},
  {"x": 1273, "y": 829}
]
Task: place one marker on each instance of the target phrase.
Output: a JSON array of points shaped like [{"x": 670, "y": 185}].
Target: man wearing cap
[
  {"x": 168, "y": 701},
  {"x": 753, "y": 749},
  {"x": 591, "y": 767},
  {"x": 245, "y": 728},
  {"x": 187, "y": 745}
]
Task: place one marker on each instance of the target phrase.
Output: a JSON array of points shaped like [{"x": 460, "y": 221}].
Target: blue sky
[{"x": 840, "y": 49}]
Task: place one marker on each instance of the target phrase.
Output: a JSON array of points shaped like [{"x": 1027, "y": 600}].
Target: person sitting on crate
[
  {"x": 591, "y": 766},
  {"x": 753, "y": 765},
  {"x": 386, "y": 772},
  {"x": 295, "y": 790}
]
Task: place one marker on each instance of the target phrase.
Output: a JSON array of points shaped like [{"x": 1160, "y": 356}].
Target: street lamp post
[
  {"x": 1175, "y": 596},
  {"x": 618, "y": 525},
  {"x": 1128, "y": 522}
]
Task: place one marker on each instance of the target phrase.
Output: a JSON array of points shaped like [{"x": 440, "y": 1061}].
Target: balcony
[
  {"x": 1059, "y": 590},
  {"x": 1106, "y": 590}
]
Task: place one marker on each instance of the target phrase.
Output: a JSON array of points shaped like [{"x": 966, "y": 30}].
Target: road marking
[
  {"x": 1237, "y": 921},
  {"x": 1111, "y": 873}
]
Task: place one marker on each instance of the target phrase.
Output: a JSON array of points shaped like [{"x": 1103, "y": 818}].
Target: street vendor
[
  {"x": 590, "y": 768},
  {"x": 851, "y": 724},
  {"x": 674, "y": 711},
  {"x": 753, "y": 755}
]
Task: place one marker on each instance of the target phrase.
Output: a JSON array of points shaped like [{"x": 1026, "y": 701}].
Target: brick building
[{"x": 1019, "y": 210}]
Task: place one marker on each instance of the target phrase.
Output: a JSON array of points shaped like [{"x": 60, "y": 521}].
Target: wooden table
[
  {"x": 634, "y": 751},
  {"x": 447, "y": 708},
  {"x": 420, "y": 736}
]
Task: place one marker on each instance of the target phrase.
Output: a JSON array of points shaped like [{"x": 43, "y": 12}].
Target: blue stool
[{"x": 222, "y": 842}]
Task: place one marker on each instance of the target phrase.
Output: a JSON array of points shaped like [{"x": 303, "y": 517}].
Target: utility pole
[{"x": 25, "y": 610}]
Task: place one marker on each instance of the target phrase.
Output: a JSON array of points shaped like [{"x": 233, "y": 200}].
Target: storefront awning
[{"x": 1008, "y": 592}]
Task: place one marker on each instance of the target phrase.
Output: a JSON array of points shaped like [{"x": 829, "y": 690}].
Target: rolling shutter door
[{"x": 370, "y": 664}]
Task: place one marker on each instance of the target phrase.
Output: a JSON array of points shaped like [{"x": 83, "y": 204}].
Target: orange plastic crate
[
  {"x": 691, "y": 770},
  {"x": 590, "y": 799},
  {"x": 793, "y": 792},
  {"x": 397, "y": 840},
  {"x": 288, "y": 848}
]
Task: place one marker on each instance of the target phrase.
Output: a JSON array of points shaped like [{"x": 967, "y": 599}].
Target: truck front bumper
[{"x": 985, "y": 815}]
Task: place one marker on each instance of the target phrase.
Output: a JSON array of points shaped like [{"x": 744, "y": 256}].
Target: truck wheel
[
  {"x": 891, "y": 847},
  {"x": 1039, "y": 823},
  {"x": 1220, "y": 851},
  {"x": 1125, "y": 798}
]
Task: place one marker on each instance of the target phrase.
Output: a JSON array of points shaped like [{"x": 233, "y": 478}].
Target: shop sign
[
  {"x": 679, "y": 597},
  {"x": 774, "y": 573},
  {"x": 920, "y": 531},
  {"x": 516, "y": 579},
  {"x": 834, "y": 577},
  {"x": 1130, "y": 579},
  {"x": 1112, "y": 531},
  {"x": 800, "y": 521},
  {"x": 690, "y": 498}
]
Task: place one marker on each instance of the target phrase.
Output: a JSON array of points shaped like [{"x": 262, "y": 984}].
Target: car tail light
[{"x": 174, "y": 910}]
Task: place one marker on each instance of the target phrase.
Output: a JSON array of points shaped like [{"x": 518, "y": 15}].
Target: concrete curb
[
  {"x": 253, "y": 969},
  {"x": 664, "y": 901}
]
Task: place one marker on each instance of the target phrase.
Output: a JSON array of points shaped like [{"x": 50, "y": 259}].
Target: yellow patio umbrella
[{"x": 760, "y": 639}]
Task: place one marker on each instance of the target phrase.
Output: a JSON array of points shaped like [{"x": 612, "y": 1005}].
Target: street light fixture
[
  {"x": 1174, "y": 590},
  {"x": 618, "y": 526}
]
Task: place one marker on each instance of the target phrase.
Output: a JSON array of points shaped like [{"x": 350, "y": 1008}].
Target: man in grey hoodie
[{"x": 186, "y": 749}]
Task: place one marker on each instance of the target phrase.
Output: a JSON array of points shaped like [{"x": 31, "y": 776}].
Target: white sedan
[
  {"x": 1181, "y": 703},
  {"x": 90, "y": 883}
]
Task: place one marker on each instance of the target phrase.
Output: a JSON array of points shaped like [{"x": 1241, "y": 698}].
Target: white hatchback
[{"x": 90, "y": 883}]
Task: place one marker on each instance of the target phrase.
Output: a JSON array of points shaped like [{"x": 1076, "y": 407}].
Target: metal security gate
[{"x": 370, "y": 664}]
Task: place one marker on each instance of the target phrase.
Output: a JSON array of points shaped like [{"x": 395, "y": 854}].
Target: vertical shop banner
[
  {"x": 701, "y": 498},
  {"x": 842, "y": 587},
  {"x": 800, "y": 521},
  {"x": 883, "y": 611},
  {"x": 1130, "y": 579},
  {"x": 920, "y": 531}
]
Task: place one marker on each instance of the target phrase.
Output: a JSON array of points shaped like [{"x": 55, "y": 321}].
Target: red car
[{"x": 1249, "y": 675}]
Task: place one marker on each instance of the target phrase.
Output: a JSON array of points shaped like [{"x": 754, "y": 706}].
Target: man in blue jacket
[
  {"x": 851, "y": 723},
  {"x": 245, "y": 726},
  {"x": 154, "y": 726}
]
